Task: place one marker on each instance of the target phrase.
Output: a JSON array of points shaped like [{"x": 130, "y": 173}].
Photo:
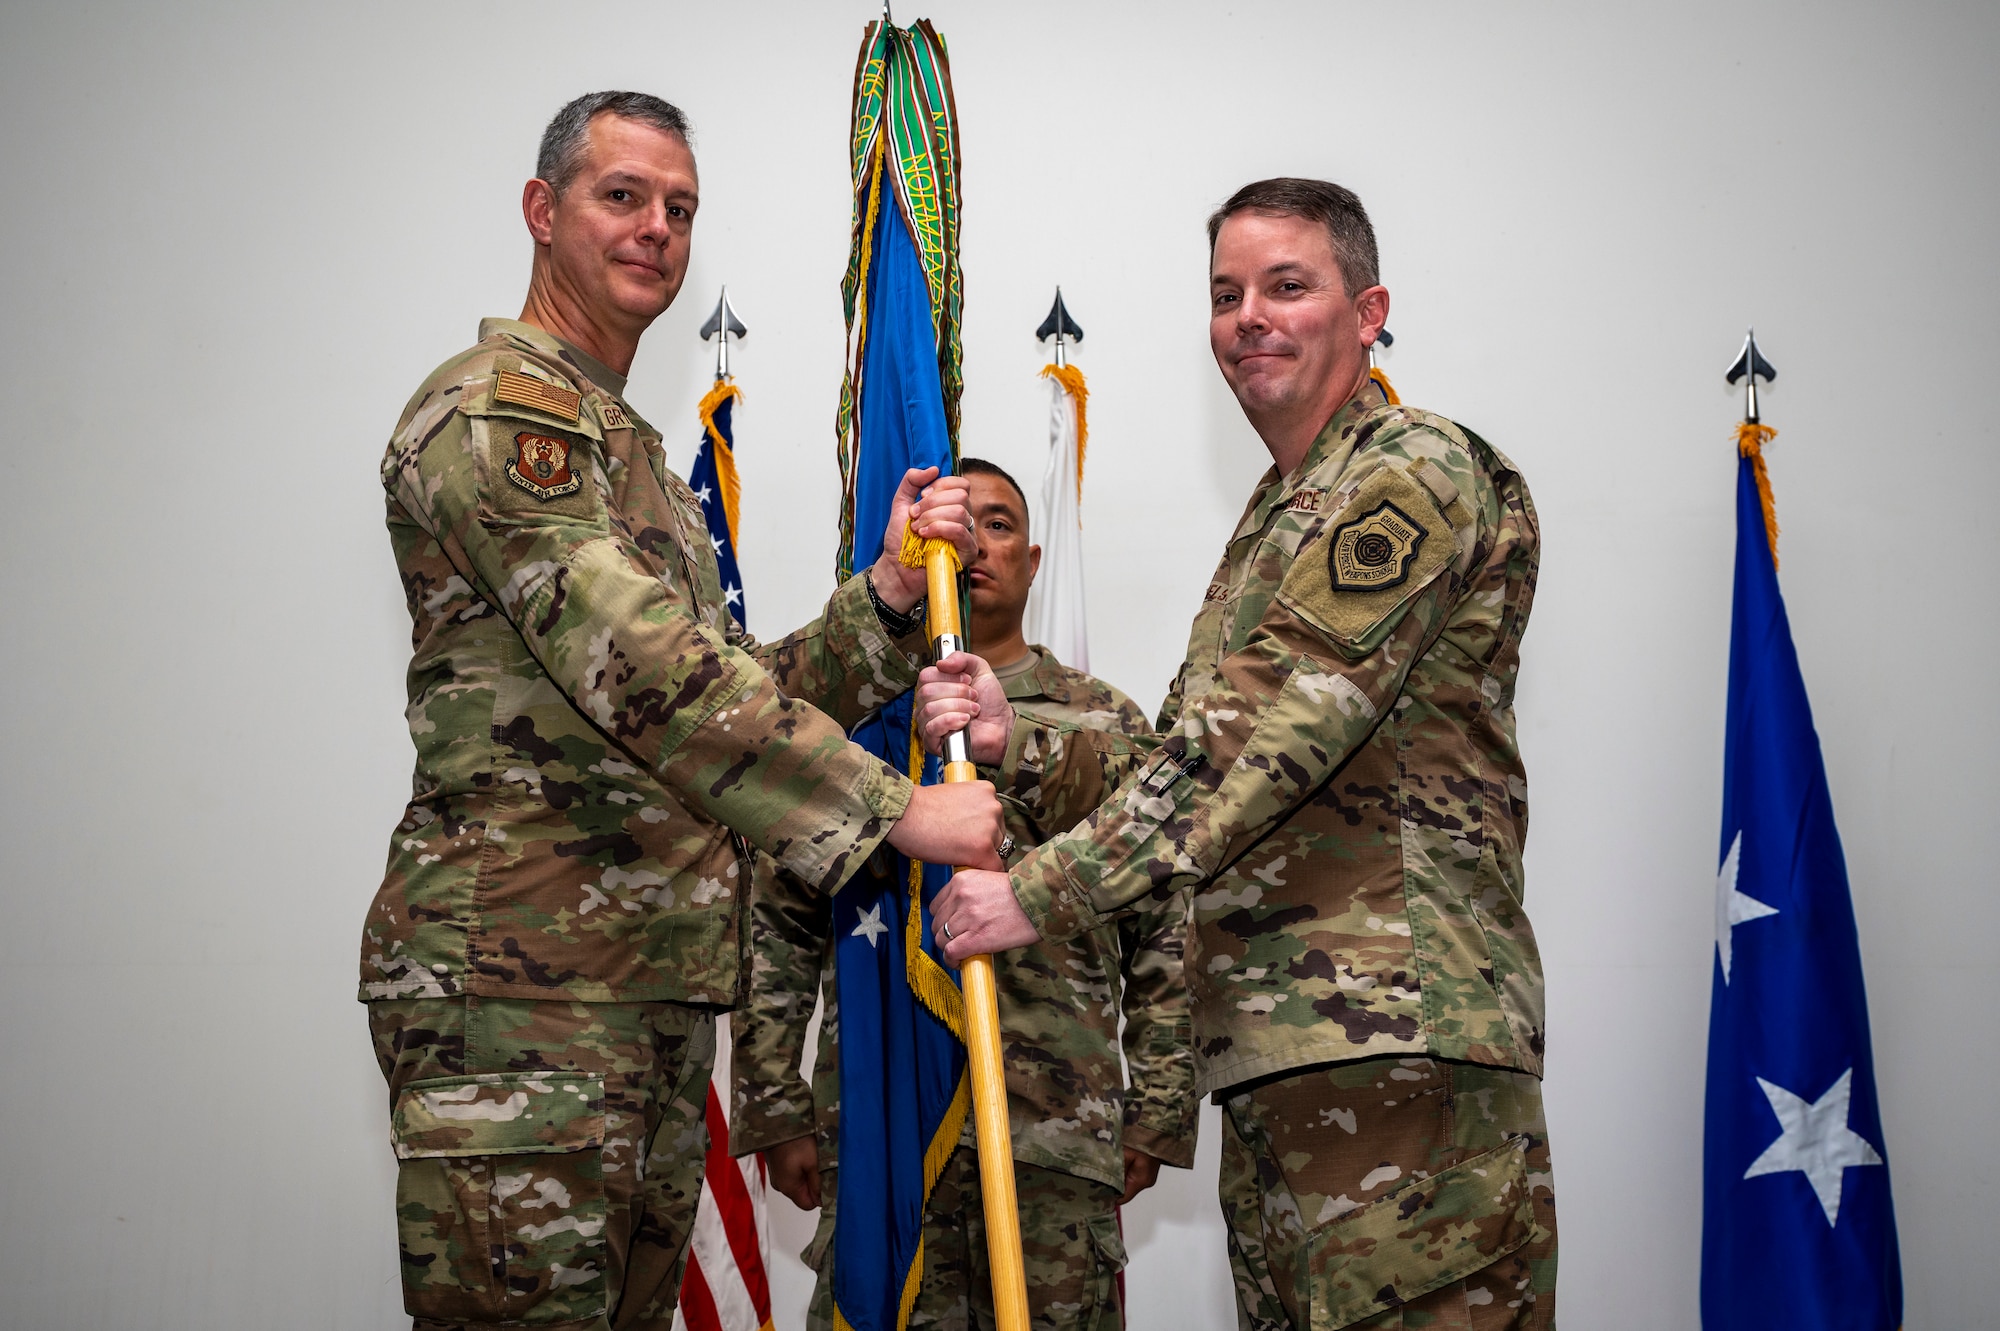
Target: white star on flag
[
  {"x": 1732, "y": 907},
  {"x": 871, "y": 926},
  {"x": 704, "y": 494},
  {"x": 716, "y": 541},
  {"x": 733, "y": 595},
  {"x": 1816, "y": 1141}
]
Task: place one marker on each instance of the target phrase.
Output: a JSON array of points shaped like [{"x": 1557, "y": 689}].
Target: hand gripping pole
[{"x": 982, "y": 1011}]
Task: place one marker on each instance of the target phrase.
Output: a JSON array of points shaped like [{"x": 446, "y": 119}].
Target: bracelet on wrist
[{"x": 897, "y": 625}]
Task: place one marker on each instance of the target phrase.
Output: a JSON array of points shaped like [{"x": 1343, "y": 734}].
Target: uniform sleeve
[
  {"x": 844, "y": 663},
  {"x": 1365, "y": 596},
  {"x": 770, "y": 1100},
  {"x": 702, "y": 715},
  {"x": 1162, "y": 1111}
]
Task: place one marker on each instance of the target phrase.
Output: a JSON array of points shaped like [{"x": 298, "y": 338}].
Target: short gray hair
[{"x": 568, "y": 134}]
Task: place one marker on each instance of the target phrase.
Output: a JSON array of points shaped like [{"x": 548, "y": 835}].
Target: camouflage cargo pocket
[
  {"x": 1419, "y": 1238},
  {"x": 500, "y": 1207},
  {"x": 1108, "y": 1246}
]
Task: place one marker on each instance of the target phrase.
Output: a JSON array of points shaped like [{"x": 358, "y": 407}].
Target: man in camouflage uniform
[
  {"x": 597, "y": 748},
  {"x": 1083, "y": 1142},
  {"x": 1335, "y": 780}
]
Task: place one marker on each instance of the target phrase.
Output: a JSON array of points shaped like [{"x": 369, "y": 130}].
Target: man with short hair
[
  {"x": 598, "y": 748},
  {"x": 1083, "y": 1140},
  {"x": 1335, "y": 780}
]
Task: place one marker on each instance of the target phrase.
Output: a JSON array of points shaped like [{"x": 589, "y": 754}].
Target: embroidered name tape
[{"x": 1306, "y": 501}]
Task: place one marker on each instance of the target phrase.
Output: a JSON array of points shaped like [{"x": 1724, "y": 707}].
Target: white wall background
[{"x": 237, "y": 236}]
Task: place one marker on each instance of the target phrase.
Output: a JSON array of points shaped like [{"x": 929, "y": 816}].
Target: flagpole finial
[
  {"x": 1060, "y": 327},
  {"x": 1750, "y": 366},
  {"x": 721, "y": 326}
]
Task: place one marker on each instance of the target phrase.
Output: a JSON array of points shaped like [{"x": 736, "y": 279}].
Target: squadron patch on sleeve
[
  {"x": 1375, "y": 550},
  {"x": 540, "y": 466},
  {"x": 1376, "y": 554}
]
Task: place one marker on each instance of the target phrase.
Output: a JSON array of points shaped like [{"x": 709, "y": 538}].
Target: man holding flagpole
[
  {"x": 1084, "y": 1139},
  {"x": 1335, "y": 780},
  {"x": 599, "y": 748}
]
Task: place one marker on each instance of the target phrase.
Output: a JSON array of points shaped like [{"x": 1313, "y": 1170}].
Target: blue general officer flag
[
  {"x": 1798, "y": 1230},
  {"x": 714, "y": 482},
  {"x": 903, "y": 1093}
]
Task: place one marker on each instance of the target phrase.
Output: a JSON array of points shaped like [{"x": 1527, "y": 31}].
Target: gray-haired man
[{"x": 598, "y": 748}]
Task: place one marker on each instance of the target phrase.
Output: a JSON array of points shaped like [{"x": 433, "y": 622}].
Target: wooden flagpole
[{"x": 982, "y": 1011}]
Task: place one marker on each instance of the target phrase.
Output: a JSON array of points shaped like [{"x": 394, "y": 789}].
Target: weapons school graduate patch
[
  {"x": 1374, "y": 550},
  {"x": 540, "y": 466},
  {"x": 1381, "y": 549}
]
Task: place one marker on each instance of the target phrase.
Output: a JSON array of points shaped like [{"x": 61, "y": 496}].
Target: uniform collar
[
  {"x": 1048, "y": 679},
  {"x": 549, "y": 344},
  {"x": 1275, "y": 490}
]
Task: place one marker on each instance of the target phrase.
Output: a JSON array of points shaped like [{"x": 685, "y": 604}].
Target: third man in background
[{"x": 1083, "y": 1140}]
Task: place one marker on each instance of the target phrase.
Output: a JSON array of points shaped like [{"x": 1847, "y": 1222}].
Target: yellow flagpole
[{"x": 982, "y": 1010}]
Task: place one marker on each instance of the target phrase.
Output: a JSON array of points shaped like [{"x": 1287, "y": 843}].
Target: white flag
[{"x": 1055, "y": 617}]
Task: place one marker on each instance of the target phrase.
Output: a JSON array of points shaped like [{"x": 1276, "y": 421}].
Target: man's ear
[
  {"x": 1372, "y": 308},
  {"x": 1034, "y": 562},
  {"x": 538, "y": 209}
]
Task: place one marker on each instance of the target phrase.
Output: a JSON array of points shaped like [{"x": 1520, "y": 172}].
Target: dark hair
[
  {"x": 1322, "y": 201},
  {"x": 981, "y": 467},
  {"x": 568, "y": 134}
]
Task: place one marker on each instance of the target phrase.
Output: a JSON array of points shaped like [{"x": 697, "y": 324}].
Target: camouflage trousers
[
  {"x": 1390, "y": 1193},
  {"x": 550, "y": 1157},
  {"x": 1070, "y": 1250}
]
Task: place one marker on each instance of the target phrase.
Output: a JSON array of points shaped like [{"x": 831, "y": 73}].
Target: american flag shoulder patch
[{"x": 525, "y": 391}]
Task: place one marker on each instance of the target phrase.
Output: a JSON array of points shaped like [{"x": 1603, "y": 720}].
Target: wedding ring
[
  {"x": 945, "y": 929},
  {"x": 1006, "y": 847}
]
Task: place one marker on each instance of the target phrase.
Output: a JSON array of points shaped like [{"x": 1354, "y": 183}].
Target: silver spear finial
[
  {"x": 721, "y": 326},
  {"x": 1751, "y": 366},
  {"x": 1060, "y": 327}
]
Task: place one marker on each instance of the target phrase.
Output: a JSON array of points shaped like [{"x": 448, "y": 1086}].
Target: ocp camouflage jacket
[
  {"x": 590, "y": 727},
  {"x": 1060, "y": 1004},
  {"x": 1335, "y": 777}
]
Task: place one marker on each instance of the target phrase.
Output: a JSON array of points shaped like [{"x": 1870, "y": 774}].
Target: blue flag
[
  {"x": 903, "y": 1092},
  {"x": 713, "y": 480},
  {"x": 1798, "y": 1230}
]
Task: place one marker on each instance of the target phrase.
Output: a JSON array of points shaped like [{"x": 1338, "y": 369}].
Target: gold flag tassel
[
  {"x": 1388, "y": 389},
  {"x": 1751, "y": 436},
  {"x": 726, "y": 479},
  {"x": 1071, "y": 379}
]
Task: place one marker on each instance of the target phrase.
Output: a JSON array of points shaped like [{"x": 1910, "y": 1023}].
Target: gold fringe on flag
[
  {"x": 1750, "y": 440},
  {"x": 725, "y": 390},
  {"x": 1071, "y": 379},
  {"x": 1388, "y": 389}
]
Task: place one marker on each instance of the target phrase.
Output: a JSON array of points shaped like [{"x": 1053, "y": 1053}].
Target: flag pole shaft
[{"x": 982, "y": 1019}]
